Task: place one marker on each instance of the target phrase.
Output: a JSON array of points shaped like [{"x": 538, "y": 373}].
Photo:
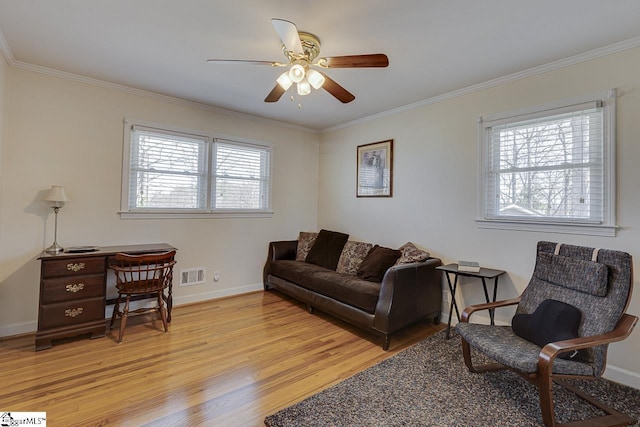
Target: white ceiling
[{"x": 434, "y": 46}]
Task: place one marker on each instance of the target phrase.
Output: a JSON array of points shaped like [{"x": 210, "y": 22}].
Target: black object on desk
[{"x": 484, "y": 273}]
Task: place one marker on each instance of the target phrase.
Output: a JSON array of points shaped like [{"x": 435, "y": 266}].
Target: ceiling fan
[{"x": 301, "y": 50}]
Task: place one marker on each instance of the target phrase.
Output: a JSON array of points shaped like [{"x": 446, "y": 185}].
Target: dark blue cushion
[{"x": 551, "y": 321}]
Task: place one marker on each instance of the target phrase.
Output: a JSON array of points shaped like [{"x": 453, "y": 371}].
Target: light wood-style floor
[{"x": 228, "y": 362}]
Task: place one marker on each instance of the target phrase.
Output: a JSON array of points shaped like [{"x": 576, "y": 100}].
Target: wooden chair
[
  {"x": 141, "y": 275},
  {"x": 596, "y": 281}
]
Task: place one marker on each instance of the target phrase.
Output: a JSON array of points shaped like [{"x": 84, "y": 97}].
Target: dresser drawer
[
  {"x": 73, "y": 267},
  {"x": 71, "y": 313},
  {"x": 72, "y": 288}
]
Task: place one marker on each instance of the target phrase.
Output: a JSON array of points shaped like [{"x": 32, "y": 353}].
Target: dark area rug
[{"x": 429, "y": 385}]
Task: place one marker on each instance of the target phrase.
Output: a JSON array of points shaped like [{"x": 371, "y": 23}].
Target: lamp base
[{"x": 54, "y": 249}]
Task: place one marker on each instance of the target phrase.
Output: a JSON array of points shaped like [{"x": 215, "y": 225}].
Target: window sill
[
  {"x": 562, "y": 228},
  {"x": 193, "y": 215}
]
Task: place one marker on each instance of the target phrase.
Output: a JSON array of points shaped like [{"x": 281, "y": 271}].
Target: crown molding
[
  {"x": 6, "y": 50},
  {"x": 541, "y": 69},
  {"x": 555, "y": 65},
  {"x": 148, "y": 94}
]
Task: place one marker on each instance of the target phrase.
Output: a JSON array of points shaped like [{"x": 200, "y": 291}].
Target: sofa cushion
[
  {"x": 327, "y": 248},
  {"x": 377, "y": 262},
  {"x": 293, "y": 271},
  {"x": 352, "y": 256},
  {"x": 411, "y": 253},
  {"x": 350, "y": 290},
  {"x": 305, "y": 241}
]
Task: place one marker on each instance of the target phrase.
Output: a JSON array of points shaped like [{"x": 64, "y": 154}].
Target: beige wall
[
  {"x": 436, "y": 170},
  {"x": 70, "y": 133},
  {"x": 4, "y": 76}
]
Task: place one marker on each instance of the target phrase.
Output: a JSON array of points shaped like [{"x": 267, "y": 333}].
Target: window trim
[
  {"x": 158, "y": 213},
  {"x": 608, "y": 226}
]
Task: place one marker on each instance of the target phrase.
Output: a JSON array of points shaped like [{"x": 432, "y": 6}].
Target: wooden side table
[{"x": 483, "y": 274}]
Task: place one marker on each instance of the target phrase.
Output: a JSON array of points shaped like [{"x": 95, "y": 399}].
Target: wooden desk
[
  {"x": 73, "y": 291},
  {"x": 484, "y": 273}
]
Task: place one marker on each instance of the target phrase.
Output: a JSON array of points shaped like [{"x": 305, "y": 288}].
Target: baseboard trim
[
  {"x": 194, "y": 298},
  {"x": 30, "y": 327},
  {"x": 622, "y": 376},
  {"x": 18, "y": 329},
  {"x": 221, "y": 293}
]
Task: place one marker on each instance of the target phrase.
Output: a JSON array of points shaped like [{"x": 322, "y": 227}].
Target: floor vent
[{"x": 192, "y": 276}]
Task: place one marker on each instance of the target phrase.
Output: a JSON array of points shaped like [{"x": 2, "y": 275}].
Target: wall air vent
[{"x": 192, "y": 276}]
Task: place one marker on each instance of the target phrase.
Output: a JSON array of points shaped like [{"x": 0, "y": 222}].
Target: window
[
  {"x": 170, "y": 173},
  {"x": 550, "y": 168},
  {"x": 241, "y": 177}
]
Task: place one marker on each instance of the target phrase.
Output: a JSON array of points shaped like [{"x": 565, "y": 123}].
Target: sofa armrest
[
  {"x": 283, "y": 249},
  {"x": 408, "y": 293}
]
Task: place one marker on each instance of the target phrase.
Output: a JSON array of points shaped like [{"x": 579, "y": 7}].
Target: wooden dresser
[{"x": 73, "y": 292}]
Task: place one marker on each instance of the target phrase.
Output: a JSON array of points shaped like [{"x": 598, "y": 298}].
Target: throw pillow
[
  {"x": 327, "y": 248},
  {"x": 551, "y": 321},
  {"x": 352, "y": 256},
  {"x": 305, "y": 241},
  {"x": 377, "y": 262},
  {"x": 411, "y": 253}
]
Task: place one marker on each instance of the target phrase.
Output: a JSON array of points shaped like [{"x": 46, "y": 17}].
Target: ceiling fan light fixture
[
  {"x": 315, "y": 78},
  {"x": 296, "y": 73},
  {"x": 284, "y": 81},
  {"x": 304, "y": 88}
]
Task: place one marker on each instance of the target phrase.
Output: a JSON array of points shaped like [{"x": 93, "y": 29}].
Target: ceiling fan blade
[
  {"x": 336, "y": 90},
  {"x": 275, "y": 94},
  {"x": 354, "y": 61},
  {"x": 271, "y": 63},
  {"x": 288, "y": 33}
]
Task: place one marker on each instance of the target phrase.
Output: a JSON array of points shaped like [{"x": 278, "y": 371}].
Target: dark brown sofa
[{"x": 408, "y": 293}]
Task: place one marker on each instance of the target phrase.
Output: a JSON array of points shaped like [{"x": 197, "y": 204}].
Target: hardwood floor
[{"x": 226, "y": 362}]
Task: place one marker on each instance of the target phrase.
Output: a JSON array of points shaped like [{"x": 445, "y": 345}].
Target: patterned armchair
[{"x": 598, "y": 282}]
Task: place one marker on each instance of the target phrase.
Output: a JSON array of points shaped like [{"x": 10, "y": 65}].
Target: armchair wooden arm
[
  {"x": 468, "y": 311},
  {"x": 546, "y": 377},
  {"x": 622, "y": 330}
]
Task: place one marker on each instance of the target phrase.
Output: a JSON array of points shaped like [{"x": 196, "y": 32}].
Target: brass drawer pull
[
  {"x": 73, "y": 312},
  {"x": 75, "y": 267},
  {"x": 76, "y": 287}
]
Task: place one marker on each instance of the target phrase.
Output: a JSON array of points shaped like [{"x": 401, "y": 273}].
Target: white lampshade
[
  {"x": 304, "y": 88},
  {"x": 284, "y": 81},
  {"x": 316, "y": 79},
  {"x": 296, "y": 73},
  {"x": 57, "y": 196}
]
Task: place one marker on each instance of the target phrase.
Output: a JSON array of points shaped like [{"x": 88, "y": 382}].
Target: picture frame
[{"x": 375, "y": 169}]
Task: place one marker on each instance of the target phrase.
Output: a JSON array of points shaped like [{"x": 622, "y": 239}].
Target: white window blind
[
  {"x": 549, "y": 166},
  {"x": 168, "y": 170},
  {"x": 169, "y": 173},
  {"x": 242, "y": 176}
]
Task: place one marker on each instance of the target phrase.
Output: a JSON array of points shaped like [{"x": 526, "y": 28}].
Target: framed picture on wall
[{"x": 375, "y": 169}]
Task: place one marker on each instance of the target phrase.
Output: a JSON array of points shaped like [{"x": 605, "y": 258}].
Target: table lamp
[{"x": 56, "y": 198}]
